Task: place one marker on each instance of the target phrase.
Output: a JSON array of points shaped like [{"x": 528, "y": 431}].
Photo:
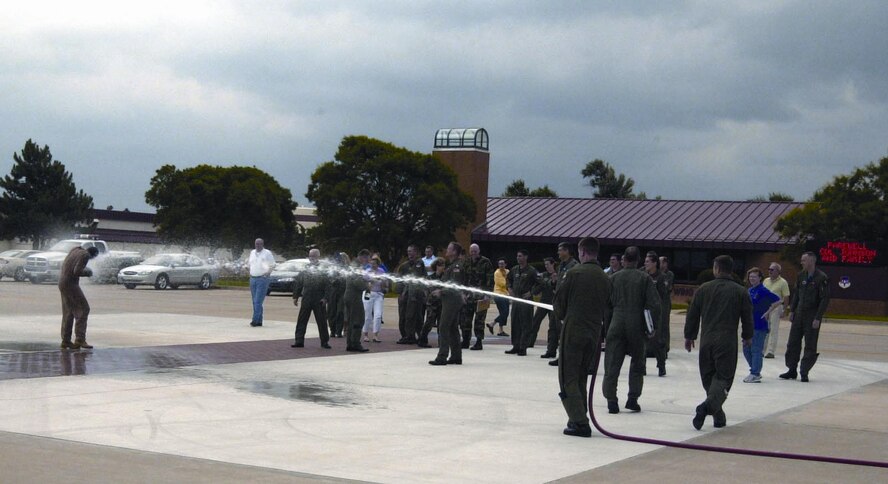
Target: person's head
[
  {"x": 438, "y": 266},
  {"x": 454, "y": 250},
  {"x": 564, "y": 251},
  {"x": 522, "y": 257},
  {"x": 259, "y": 244},
  {"x": 664, "y": 263},
  {"x": 587, "y": 249},
  {"x": 754, "y": 276},
  {"x": 314, "y": 255},
  {"x": 723, "y": 265},
  {"x": 651, "y": 262},
  {"x": 550, "y": 265},
  {"x": 630, "y": 257},
  {"x": 93, "y": 252},
  {"x": 344, "y": 259},
  {"x": 429, "y": 251},
  {"x": 474, "y": 251},
  {"x": 809, "y": 262},
  {"x": 616, "y": 261},
  {"x": 412, "y": 252},
  {"x": 501, "y": 264},
  {"x": 364, "y": 256},
  {"x": 774, "y": 270},
  {"x": 375, "y": 262}
]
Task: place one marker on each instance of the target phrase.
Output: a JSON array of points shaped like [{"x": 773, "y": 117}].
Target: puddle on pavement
[
  {"x": 26, "y": 346},
  {"x": 319, "y": 393}
]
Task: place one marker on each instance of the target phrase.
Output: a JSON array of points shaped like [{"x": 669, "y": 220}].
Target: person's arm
[
  {"x": 80, "y": 269},
  {"x": 652, "y": 301},
  {"x": 692, "y": 322},
  {"x": 746, "y": 320},
  {"x": 823, "y": 295},
  {"x": 560, "y": 302},
  {"x": 271, "y": 263}
]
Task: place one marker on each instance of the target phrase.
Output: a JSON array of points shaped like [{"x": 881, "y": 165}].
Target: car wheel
[
  {"x": 162, "y": 282},
  {"x": 19, "y": 274},
  {"x": 205, "y": 282},
  {"x": 129, "y": 286}
]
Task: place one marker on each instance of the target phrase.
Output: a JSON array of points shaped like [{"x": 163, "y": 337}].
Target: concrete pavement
[{"x": 198, "y": 396}]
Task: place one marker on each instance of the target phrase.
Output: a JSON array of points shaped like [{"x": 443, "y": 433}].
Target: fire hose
[{"x": 712, "y": 448}]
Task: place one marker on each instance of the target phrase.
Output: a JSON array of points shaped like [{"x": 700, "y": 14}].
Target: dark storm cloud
[{"x": 692, "y": 99}]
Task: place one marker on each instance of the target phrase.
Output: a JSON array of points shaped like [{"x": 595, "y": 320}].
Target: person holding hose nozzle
[{"x": 721, "y": 304}]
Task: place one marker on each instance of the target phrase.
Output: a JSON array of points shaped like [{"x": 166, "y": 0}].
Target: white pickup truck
[{"x": 45, "y": 266}]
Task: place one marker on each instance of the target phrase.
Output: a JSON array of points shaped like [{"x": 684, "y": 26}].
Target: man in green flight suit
[
  {"x": 311, "y": 286},
  {"x": 656, "y": 346},
  {"x": 809, "y": 302},
  {"x": 580, "y": 301},
  {"x": 479, "y": 274},
  {"x": 721, "y": 304},
  {"x": 411, "y": 297},
  {"x": 452, "y": 301},
  {"x": 522, "y": 280},
  {"x": 632, "y": 293}
]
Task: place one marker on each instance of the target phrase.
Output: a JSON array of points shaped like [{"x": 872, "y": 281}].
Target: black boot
[
  {"x": 719, "y": 420},
  {"x": 632, "y": 404},
  {"x": 477, "y": 346},
  {"x": 575, "y": 430},
  {"x": 613, "y": 406},
  {"x": 466, "y": 340},
  {"x": 700, "y": 416}
]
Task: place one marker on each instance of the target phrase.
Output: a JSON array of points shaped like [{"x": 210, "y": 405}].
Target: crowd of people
[{"x": 625, "y": 306}]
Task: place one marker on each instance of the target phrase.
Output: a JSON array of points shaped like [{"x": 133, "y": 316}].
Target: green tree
[
  {"x": 773, "y": 197},
  {"x": 519, "y": 189},
  {"x": 40, "y": 200},
  {"x": 606, "y": 183},
  {"x": 378, "y": 196},
  {"x": 222, "y": 207},
  {"x": 852, "y": 207}
]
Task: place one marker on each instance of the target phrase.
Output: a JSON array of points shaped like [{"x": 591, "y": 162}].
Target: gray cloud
[{"x": 693, "y": 100}]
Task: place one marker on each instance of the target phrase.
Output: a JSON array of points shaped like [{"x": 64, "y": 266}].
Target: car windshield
[
  {"x": 290, "y": 266},
  {"x": 164, "y": 260},
  {"x": 64, "y": 246}
]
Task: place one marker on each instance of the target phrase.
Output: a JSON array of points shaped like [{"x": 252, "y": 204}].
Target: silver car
[
  {"x": 169, "y": 271},
  {"x": 12, "y": 263}
]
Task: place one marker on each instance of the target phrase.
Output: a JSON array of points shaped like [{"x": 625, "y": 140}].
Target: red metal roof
[{"x": 652, "y": 223}]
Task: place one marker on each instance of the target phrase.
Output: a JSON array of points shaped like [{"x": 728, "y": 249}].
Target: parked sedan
[
  {"x": 283, "y": 275},
  {"x": 12, "y": 263},
  {"x": 169, "y": 271}
]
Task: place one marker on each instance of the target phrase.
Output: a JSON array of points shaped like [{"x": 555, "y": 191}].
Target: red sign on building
[{"x": 853, "y": 253}]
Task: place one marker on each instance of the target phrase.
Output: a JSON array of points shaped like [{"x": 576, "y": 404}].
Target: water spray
[{"x": 340, "y": 271}]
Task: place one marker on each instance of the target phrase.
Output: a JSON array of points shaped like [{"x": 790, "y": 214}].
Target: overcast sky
[{"x": 694, "y": 100}]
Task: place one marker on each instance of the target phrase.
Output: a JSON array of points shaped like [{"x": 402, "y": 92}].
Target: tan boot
[
  {"x": 67, "y": 345},
  {"x": 82, "y": 345}
]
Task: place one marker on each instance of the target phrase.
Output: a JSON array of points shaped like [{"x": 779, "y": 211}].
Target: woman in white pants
[{"x": 373, "y": 301}]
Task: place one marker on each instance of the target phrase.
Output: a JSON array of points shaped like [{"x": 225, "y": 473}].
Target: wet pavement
[
  {"x": 185, "y": 395},
  {"x": 33, "y": 360}
]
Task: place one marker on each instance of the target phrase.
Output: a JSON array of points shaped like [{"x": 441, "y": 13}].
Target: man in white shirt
[
  {"x": 778, "y": 285},
  {"x": 261, "y": 264},
  {"x": 428, "y": 259}
]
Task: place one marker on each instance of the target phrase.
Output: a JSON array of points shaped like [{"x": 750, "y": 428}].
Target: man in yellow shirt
[{"x": 780, "y": 287}]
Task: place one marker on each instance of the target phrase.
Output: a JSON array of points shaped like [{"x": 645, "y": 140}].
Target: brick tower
[{"x": 465, "y": 150}]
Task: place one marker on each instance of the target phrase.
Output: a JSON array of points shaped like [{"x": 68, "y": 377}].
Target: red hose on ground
[{"x": 709, "y": 448}]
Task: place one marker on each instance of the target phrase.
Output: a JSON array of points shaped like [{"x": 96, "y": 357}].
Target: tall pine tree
[{"x": 40, "y": 201}]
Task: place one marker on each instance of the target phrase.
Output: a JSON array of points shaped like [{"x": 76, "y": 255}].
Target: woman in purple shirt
[{"x": 763, "y": 302}]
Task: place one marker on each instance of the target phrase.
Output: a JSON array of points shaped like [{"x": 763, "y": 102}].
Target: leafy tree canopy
[
  {"x": 852, "y": 207},
  {"x": 519, "y": 189},
  {"x": 40, "y": 200},
  {"x": 382, "y": 197},
  {"x": 773, "y": 197},
  {"x": 606, "y": 183},
  {"x": 222, "y": 207}
]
